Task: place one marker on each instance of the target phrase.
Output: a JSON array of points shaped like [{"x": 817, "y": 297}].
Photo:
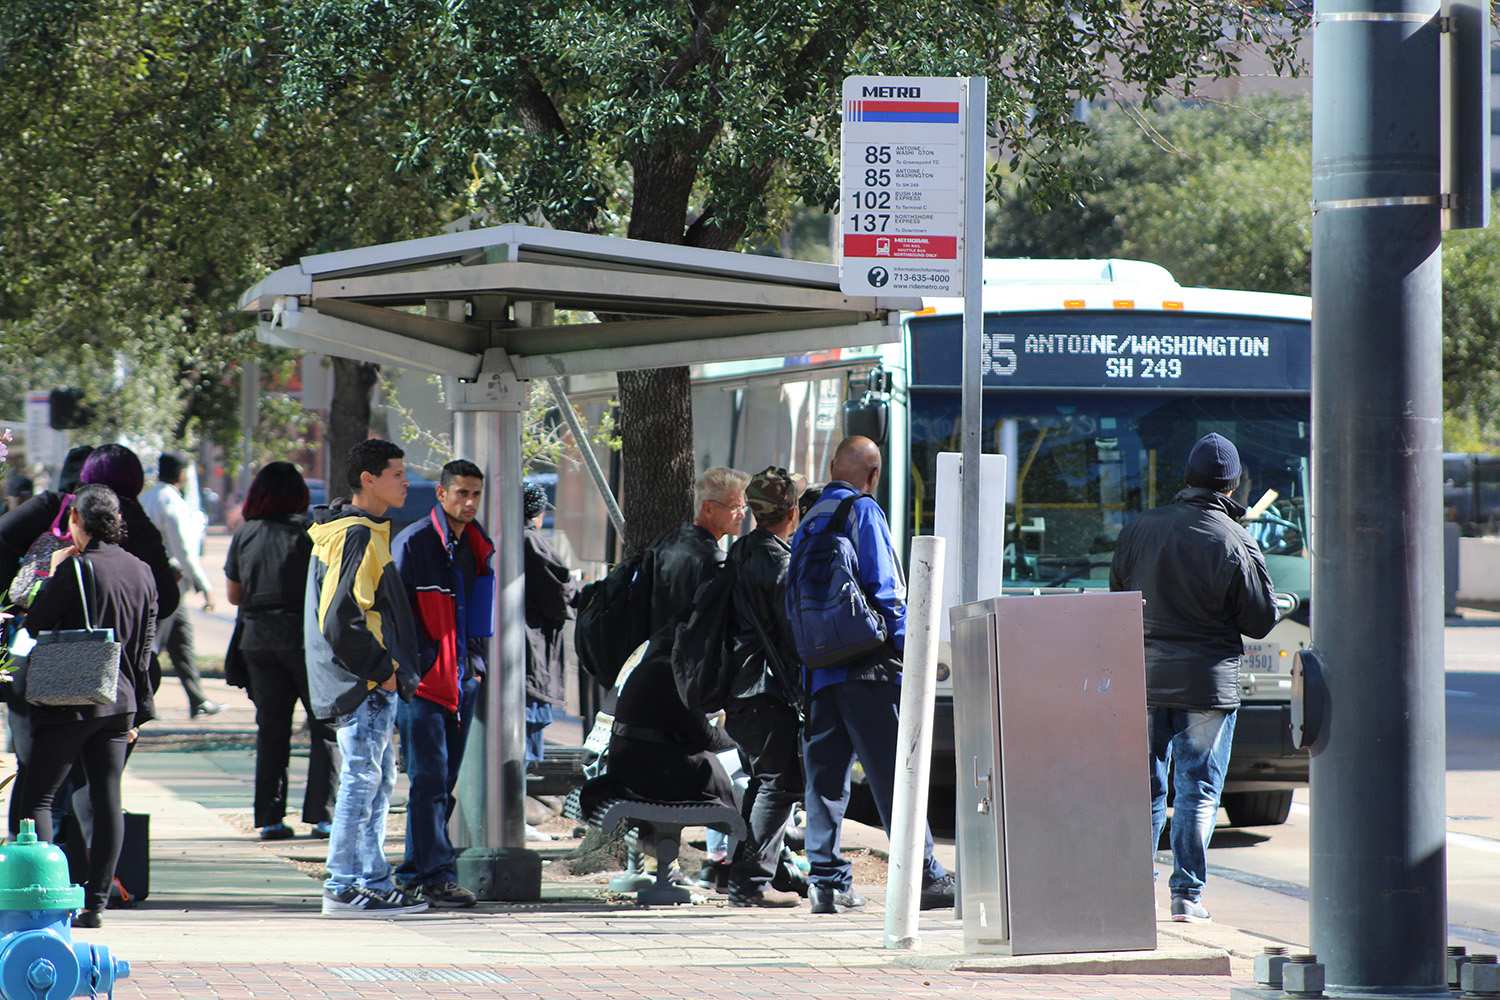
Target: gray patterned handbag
[{"x": 75, "y": 666}]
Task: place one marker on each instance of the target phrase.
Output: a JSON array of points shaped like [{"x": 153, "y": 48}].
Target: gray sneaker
[
  {"x": 448, "y": 896},
  {"x": 1189, "y": 911},
  {"x": 357, "y": 901},
  {"x": 827, "y": 899}
]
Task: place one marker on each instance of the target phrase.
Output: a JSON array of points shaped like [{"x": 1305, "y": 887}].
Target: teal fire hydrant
[{"x": 38, "y": 957}]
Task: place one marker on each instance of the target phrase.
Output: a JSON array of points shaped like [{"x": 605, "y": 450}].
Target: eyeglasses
[{"x": 740, "y": 509}]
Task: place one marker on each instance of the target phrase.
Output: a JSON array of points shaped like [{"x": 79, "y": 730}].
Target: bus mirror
[{"x": 868, "y": 417}]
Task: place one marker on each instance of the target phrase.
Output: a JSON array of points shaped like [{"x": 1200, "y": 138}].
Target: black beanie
[{"x": 1213, "y": 464}]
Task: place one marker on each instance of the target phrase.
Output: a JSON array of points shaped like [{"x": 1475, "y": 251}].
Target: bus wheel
[{"x": 1257, "y": 808}]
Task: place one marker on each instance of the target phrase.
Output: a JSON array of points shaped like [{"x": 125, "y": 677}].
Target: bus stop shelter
[{"x": 479, "y": 308}]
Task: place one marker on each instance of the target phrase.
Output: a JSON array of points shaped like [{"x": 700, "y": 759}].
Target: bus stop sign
[{"x": 902, "y": 191}]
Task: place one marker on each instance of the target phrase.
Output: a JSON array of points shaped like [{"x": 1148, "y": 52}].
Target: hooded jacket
[
  {"x": 453, "y": 611},
  {"x": 357, "y": 623},
  {"x": 1205, "y": 583}
]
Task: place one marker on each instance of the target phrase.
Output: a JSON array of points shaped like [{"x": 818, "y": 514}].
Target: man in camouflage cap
[{"x": 764, "y": 718}]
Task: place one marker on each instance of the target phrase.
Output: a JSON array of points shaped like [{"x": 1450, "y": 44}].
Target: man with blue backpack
[{"x": 846, "y": 600}]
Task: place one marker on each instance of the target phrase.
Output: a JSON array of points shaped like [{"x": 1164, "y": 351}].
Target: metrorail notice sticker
[{"x": 901, "y": 208}]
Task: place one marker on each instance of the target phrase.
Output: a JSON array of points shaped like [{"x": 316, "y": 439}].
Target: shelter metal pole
[
  {"x": 1378, "y": 863},
  {"x": 505, "y": 750},
  {"x": 590, "y": 460}
]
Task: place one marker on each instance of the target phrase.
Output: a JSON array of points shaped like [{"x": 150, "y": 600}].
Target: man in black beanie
[{"x": 1205, "y": 584}]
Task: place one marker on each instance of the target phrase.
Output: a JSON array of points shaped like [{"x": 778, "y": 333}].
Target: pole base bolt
[
  {"x": 1480, "y": 976},
  {"x": 1455, "y": 958},
  {"x": 1302, "y": 976},
  {"x": 1268, "y": 966}
]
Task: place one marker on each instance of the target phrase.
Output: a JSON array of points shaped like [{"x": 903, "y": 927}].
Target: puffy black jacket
[
  {"x": 1205, "y": 584},
  {"x": 683, "y": 559},
  {"x": 760, "y": 560}
]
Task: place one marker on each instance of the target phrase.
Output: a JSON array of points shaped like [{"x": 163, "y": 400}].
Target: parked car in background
[
  {"x": 1471, "y": 492},
  {"x": 421, "y": 497}
]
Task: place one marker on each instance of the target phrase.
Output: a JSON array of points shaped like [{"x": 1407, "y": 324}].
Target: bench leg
[
  {"x": 662, "y": 891},
  {"x": 635, "y": 878}
]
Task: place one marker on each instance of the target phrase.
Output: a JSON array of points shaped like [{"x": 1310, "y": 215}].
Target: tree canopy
[
  {"x": 701, "y": 123},
  {"x": 1220, "y": 196}
]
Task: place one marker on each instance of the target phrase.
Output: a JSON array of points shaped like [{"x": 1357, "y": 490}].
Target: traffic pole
[
  {"x": 903, "y": 891},
  {"x": 1378, "y": 863}
]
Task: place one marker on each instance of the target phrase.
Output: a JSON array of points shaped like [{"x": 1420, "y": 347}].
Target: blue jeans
[
  {"x": 1196, "y": 746},
  {"x": 849, "y": 719},
  {"x": 356, "y": 847},
  {"x": 432, "y": 747},
  {"x": 538, "y": 718}
]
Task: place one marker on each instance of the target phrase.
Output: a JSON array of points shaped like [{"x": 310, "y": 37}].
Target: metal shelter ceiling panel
[{"x": 707, "y": 305}]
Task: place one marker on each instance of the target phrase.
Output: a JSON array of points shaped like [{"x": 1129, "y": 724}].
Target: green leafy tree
[
  {"x": 145, "y": 182},
  {"x": 1220, "y": 195},
  {"x": 701, "y": 123}
]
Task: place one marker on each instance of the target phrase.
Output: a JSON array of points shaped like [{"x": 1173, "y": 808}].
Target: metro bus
[{"x": 1098, "y": 376}]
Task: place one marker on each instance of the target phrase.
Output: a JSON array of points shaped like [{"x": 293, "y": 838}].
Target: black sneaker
[
  {"x": 448, "y": 896},
  {"x": 357, "y": 901},
  {"x": 713, "y": 876},
  {"x": 938, "y": 894},
  {"x": 826, "y": 899}
]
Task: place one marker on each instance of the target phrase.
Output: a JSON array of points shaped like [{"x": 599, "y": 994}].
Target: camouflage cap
[{"x": 773, "y": 491}]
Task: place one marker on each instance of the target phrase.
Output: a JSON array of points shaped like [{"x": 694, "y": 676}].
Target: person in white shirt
[{"x": 181, "y": 529}]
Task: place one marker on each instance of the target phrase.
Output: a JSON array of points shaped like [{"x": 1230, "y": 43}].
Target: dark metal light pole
[{"x": 1379, "y": 898}]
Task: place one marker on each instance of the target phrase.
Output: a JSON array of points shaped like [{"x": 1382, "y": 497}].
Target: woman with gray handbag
[{"x": 95, "y": 586}]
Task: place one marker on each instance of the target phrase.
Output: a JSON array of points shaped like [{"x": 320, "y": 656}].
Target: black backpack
[
  {"x": 831, "y": 616},
  {"x": 702, "y": 662},
  {"x": 614, "y": 616}
]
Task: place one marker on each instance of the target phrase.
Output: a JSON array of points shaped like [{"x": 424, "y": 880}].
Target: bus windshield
[{"x": 1081, "y": 465}]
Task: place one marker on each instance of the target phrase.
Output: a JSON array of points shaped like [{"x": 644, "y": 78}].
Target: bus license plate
[{"x": 1263, "y": 658}]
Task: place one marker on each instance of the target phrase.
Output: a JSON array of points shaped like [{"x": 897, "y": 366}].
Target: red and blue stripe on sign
[{"x": 911, "y": 112}]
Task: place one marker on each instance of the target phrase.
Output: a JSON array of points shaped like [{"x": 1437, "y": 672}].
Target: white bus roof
[{"x": 1028, "y": 285}]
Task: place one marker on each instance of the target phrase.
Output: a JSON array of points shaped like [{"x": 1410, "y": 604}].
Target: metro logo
[{"x": 915, "y": 93}]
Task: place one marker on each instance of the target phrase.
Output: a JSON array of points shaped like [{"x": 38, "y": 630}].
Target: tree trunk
[
  {"x": 348, "y": 416},
  {"x": 656, "y": 437}
]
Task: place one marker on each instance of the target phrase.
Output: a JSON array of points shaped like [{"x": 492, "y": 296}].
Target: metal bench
[
  {"x": 666, "y": 823},
  {"x": 559, "y": 772}
]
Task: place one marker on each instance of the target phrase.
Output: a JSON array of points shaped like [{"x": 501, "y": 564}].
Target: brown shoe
[{"x": 768, "y": 897}]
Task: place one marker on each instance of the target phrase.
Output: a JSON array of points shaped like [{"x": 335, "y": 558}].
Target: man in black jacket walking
[
  {"x": 1205, "y": 584},
  {"x": 762, "y": 718}
]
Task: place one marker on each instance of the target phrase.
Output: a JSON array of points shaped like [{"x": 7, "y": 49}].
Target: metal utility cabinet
[{"x": 1054, "y": 801}]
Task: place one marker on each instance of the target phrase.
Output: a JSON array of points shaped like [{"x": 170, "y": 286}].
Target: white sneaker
[
  {"x": 357, "y": 901},
  {"x": 532, "y": 833}
]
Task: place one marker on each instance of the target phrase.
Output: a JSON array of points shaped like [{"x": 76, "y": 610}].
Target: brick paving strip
[{"x": 211, "y": 981}]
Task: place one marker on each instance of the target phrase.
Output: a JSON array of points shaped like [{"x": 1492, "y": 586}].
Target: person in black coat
[
  {"x": 119, "y": 468},
  {"x": 121, "y": 596},
  {"x": 266, "y": 571},
  {"x": 549, "y": 599}
]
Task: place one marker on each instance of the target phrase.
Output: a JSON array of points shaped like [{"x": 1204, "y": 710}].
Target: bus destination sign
[
  {"x": 901, "y": 197},
  {"x": 1083, "y": 350}
]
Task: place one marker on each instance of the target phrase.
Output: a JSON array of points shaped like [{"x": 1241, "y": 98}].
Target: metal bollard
[
  {"x": 1302, "y": 976},
  {"x": 38, "y": 958},
  {"x": 1268, "y": 966},
  {"x": 1480, "y": 976}
]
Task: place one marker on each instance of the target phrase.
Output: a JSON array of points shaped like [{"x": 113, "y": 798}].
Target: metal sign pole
[{"x": 977, "y": 88}]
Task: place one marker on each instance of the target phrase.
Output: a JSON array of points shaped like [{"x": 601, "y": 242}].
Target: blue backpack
[{"x": 832, "y": 620}]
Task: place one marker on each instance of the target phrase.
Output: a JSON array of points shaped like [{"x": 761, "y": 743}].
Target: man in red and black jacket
[{"x": 444, "y": 561}]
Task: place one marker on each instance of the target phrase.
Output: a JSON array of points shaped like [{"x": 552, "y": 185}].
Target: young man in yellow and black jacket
[{"x": 361, "y": 656}]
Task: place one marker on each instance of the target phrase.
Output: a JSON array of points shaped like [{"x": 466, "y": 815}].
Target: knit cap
[{"x": 1213, "y": 464}]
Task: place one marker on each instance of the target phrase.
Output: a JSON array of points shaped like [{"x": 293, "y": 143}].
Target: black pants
[
  {"x": 178, "y": 645},
  {"x": 767, "y": 731},
  {"x": 100, "y": 745},
  {"x": 278, "y": 681}
]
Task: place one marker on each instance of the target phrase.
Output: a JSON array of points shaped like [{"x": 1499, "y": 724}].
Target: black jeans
[
  {"x": 178, "y": 645},
  {"x": 767, "y": 731},
  {"x": 100, "y": 745},
  {"x": 278, "y": 681}
]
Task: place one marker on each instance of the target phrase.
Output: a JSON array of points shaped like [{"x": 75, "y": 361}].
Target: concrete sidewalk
[{"x": 228, "y": 916}]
